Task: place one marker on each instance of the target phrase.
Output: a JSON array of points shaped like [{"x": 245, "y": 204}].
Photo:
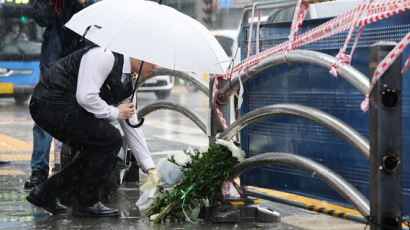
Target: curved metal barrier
[
  {"x": 353, "y": 76},
  {"x": 170, "y": 105},
  {"x": 335, "y": 181},
  {"x": 320, "y": 117},
  {"x": 180, "y": 74}
]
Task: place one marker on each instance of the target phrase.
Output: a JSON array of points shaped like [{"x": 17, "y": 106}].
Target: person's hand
[
  {"x": 125, "y": 111},
  {"x": 152, "y": 183},
  {"x": 81, "y": 1}
]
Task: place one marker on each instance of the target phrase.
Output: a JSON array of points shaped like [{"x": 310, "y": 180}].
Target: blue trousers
[{"x": 41, "y": 149}]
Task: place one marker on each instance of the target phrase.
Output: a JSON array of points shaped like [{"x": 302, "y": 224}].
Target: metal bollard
[{"x": 385, "y": 142}]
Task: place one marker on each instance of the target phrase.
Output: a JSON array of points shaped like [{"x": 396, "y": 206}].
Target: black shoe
[
  {"x": 96, "y": 210},
  {"x": 4, "y": 162},
  {"x": 37, "y": 177},
  {"x": 51, "y": 205}
]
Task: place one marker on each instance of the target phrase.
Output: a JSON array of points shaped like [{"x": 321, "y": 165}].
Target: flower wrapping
[{"x": 167, "y": 175}]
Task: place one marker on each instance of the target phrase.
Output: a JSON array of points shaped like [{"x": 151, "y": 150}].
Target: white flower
[
  {"x": 190, "y": 151},
  {"x": 182, "y": 159},
  {"x": 236, "y": 151}
]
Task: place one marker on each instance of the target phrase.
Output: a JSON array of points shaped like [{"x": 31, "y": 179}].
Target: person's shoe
[
  {"x": 96, "y": 210},
  {"x": 4, "y": 162},
  {"x": 51, "y": 205},
  {"x": 37, "y": 177}
]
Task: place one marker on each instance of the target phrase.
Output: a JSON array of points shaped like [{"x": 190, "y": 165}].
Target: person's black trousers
[{"x": 97, "y": 140}]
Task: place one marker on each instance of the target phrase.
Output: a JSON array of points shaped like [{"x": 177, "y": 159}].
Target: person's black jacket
[{"x": 58, "y": 41}]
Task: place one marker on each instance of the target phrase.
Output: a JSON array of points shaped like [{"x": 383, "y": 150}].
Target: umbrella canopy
[{"x": 151, "y": 32}]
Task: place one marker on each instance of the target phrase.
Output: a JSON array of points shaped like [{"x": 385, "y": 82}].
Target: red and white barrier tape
[
  {"x": 406, "y": 65},
  {"x": 238, "y": 188},
  {"x": 348, "y": 20},
  {"x": 381, "y": 10},
  {"x": 298, "y": 17},
  {"x": 221, "y": 117},
  {"x": 383, "y": 66},
  {"x": 359, "y": 33},
  {"x": 342, "y": 57},
  {"x": 226, "y": 187},
  {"x": 218, "y": 111}
]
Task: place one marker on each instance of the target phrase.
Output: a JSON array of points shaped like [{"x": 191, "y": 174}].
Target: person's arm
[
  {"x": 137, "y": 142},
  {"x": 44, "y": 13},
  {"x": 95, "y": 66}
]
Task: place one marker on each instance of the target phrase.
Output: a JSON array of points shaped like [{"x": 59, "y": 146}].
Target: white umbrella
[{"x": 151, "y": 32}]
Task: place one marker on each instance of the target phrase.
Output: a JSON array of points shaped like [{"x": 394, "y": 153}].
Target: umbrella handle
[
  {"x": 87, "y": 29},
  {"x": 137, "y": 125}
]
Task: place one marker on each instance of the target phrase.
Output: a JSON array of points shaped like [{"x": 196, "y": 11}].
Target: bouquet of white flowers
[{"x": 204, "y": 173}]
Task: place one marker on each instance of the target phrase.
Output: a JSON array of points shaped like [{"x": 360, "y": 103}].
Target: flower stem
[{"x": 164, "y": 212}]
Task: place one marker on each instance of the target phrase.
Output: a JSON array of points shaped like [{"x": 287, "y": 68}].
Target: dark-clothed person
[
  {"x": 58, "y": 42},
  {"x": 75, "y": 101}
]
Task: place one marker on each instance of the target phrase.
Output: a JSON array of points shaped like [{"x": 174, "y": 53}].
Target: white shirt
[{"x": 95, "y": 67}]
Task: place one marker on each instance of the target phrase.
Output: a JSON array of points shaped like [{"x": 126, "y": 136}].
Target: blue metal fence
[{"x": 315, "y": 87}]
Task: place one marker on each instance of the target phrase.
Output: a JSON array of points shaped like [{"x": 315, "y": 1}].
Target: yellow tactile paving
[
  {"x": 9, "y": 144},
  {"x": 13, "y": 219},
  {"x": 308, "y": 201},
  {"x": 11, "y": 172},
  {"x": 16, "y": 157}
]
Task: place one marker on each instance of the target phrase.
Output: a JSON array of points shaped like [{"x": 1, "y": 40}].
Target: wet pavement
[{"x": 166, "y": 132}]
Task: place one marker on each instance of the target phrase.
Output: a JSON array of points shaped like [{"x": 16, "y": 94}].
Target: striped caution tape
[
  {"x": 323, "y": 210},
  {"x": 341, "y": 57},
  {"x": 219, "y": 113},
  {"x": 383, "y": 66},
  {"x": 406, "y": 65},
  {"x": 298, "y": 17},
  {"x": 348, "y": 20},
  {"x": 376, "y": 12}
]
